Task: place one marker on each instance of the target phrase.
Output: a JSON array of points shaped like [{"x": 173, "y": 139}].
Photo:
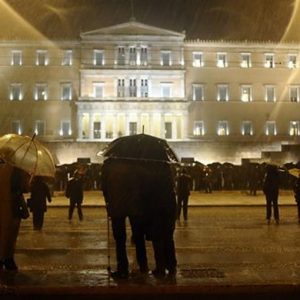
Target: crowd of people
[{"x": 151, "y": 196}]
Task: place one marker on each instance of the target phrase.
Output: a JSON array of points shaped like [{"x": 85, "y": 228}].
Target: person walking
[
  {"x": 184, "y": 184},
  {"x": 296, "y": 189},
  {"x": 39, "y": 195},
  {"x": 271, "y": 191},
  {"x": 74, "y": 192}
]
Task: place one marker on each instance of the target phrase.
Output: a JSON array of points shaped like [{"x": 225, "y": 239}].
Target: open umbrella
[
  {"x": 28, "y": 154},
  {"x": 295, "y": 172},
  {"x": 140, "y": 147}
]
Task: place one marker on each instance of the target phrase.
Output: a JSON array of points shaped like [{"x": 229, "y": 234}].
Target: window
[
  {"x": 222, "y": 60},
  {"x": 223, "y": 94},
  {"x": 98, "y": 90},
  {"x": 42, "y": 58},
  {"x": 198, "y": 59},
  {"x": 144, "y": 88},
  {"x": 16, "y": 92},
  {"x": 247, "y": 128},
  {"x": 121, "y": 56},
  {"x": 294, "y": 128},
  {"x": 97, "y": 130},
  {"x": 166, "y": 90},
  {"x": 16, "y": 127},
  {"x": 223, "y": 128},
  {"x": 269, "y": 60},
  {"x": 132, "y": 128},
  {"x": 292, "y": 61},
  {"x": 16, "y": 58},
  {"x": 198, "y": 92},
  {"x": 270, "y": 128},
  {"x": 246, "y": 93},
  {"x": 66, "y": 91},
  {"x": 67, "y": 59},
  {"x": 246, "y": 60},
  {"x": 270, "y": 94},
  {"x": 39, "y": 127},
  {"x": 121, "y": 88},
  {"x": 168, "y": 130},
  {"x": 98, "y": 58},
  {"x": 132, "y": 88},
  {"x": 132, "y": 56},
  {"x": 65, "y": 128},
  {"x": 198, "y": 128},
  {"x": 144, "y": 56},
  {"x": 41, "y": 92},
  {"x": 165, "y": 58},
  {"x": 294, "y": 93}
]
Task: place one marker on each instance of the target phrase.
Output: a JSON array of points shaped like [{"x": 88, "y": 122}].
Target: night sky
[{"x": 256, "y": 20}]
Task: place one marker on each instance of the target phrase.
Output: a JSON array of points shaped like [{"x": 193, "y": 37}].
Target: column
[
  {"x": 91, "y": 126},
  {"x": 79, "y": 126}
]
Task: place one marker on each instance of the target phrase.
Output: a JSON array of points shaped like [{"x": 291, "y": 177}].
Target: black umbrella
[{"x": 140, "y": 147}]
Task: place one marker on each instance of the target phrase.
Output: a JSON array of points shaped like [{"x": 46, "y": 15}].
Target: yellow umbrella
[
  {"x": 28, "y": 154},
  {"x": 295, "y": 172}
]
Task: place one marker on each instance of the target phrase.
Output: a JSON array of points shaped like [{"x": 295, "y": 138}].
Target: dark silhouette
[
  {"x": 184, "y": 185},
  {"x": 297, "y": 195},
  {"x": 40, "y": 193},
  {"x": 74, "y": 192},
  {"x": 271, "y": 191}
]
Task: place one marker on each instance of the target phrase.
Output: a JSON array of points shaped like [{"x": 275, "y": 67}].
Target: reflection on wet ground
[{"x": 218, "y": 249}]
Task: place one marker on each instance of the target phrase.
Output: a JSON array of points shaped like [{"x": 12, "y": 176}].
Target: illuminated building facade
[{"x": 212, "y": 100}]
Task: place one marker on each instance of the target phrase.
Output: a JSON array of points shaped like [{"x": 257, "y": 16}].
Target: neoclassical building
[{"x": 212, "y": 100}]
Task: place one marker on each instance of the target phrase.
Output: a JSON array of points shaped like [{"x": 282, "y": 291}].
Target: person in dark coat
[
  {"x": 296, "y": 189},
  {"x": 271, "y": 191},
  {"x": 74, "y": 192},
  {"x": 184, "y": 184},
  {"x": 39, "y": 194}
]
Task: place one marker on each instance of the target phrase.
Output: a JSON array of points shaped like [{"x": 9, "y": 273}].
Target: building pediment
[{"x": 132, "y": 28}]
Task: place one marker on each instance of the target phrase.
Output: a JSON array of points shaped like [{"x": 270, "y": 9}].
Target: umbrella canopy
[
  {"x": 140, "y": 147},
  {"x": 27, "y": 154},
  {"x": 295, "y": 172}
]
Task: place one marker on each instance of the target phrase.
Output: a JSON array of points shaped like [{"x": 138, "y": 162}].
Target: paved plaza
[{"x": 226, "y": 250}]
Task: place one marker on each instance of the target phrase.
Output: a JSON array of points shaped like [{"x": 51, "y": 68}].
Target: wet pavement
[{"x": 223, "y": 251}]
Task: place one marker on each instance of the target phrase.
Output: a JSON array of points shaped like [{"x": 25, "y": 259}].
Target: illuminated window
[
  {"x": 67, "y": 59},
  {"x": 223, "y": 94},
  {"x": 41, "y": 92},
  {"x": 144, "y": 56},
  {"x": 246, "y": 93},
  {"x": 16, "y": 127},
  {"x": 292, "y": 61},
  {"x": 198, "y": 59},
  {"x": 132, "y": 128},
  {"x": 294, "y": 128},
  {"x": 121, "y": 88},
  {"x": 39, "y": 127},
  {"x": 42, "y": 58},
  {"x": 294, "y": 93},
  {"x": 132, "y": 56},
  {"x": 165, "y": 58},
  {"x": 65, "y": 128},
  {"x": 222, "y": 60},
  {"x": 198, "y": 128},
  {"x": 223, "y": 128},
  {"x": 121, "y": 56},
  {"x": 16, "y": 92},
  {"x": 269, "y": 60},
  {"x": 246, "y": 60},
  {"x": 247, "y": 128},
  {"x": 98, "y": 90},
  {"x": 132, "y": 88},
  {"x": 270, "y": 128},
  {"x": 97, "y": 130},
  {"x": 166, "y": 90},
  {"x": 98, "y": 58},
  {"x": 144, "y": 88},
  {"x": 198, "y": 92},
  {"x": 270, "y": 94},
  {"x": 66, "y": 91},
  {"x": 16, "y": 58}
]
